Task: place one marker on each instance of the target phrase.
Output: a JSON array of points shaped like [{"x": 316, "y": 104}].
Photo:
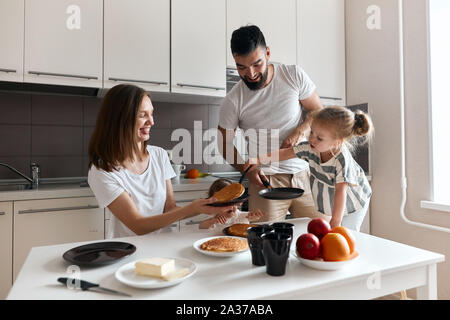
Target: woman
[{"x": 129, "y": 177}]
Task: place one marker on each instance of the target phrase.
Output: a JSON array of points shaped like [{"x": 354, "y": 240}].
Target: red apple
[
  {"x": 308, "y": 246},
  {"x": 319, "y": 227}
]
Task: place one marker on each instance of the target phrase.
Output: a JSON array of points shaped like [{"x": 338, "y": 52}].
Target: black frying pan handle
[
  {"x": 245, "y": 172},
  {"x": 266, "y": 184}
]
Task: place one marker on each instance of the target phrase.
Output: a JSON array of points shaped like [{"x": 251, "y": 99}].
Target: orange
[
  {"x": 192, "y": 174},
  {"x": 334, "y": 247},
  {"x": 348, "y": 235}
]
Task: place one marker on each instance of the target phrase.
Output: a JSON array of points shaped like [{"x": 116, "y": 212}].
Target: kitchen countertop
[
  {"x": 383, "y": 267},
  {"x": 68, "y": 190}
]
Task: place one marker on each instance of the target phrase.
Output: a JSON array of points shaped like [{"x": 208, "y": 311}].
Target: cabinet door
[
  {"x": 137, "y": 43},
  {"x": 321, "y": 46},
  {"x": 11, "y": 40},
  {"x": 277, "y": 21},
  {"x": 198, "y": 47},
  {"x": 63, "y": 42},
  {"x": 54, "y": 221},
  {"x": 6, "y": 224}
]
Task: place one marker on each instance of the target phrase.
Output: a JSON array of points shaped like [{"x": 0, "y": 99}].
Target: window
[{"x": 439, "y": 28}]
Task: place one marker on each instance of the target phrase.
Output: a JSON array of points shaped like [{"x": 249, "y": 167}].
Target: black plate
[
  {"x": 281, "y": 193},
  {"x": 229, "y": 203},
  {"x": 99, "y": 253}
]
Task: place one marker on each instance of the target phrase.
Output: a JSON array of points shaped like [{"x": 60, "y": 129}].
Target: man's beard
[{"x": 259, "y": 84}]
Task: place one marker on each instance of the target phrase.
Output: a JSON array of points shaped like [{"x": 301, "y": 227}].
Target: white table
[{"x": 384, "y": 267}]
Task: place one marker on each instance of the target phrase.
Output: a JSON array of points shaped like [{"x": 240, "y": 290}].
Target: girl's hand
[
  {"x": 335, "y": 222},
  {"x": 255, "y": 215}
]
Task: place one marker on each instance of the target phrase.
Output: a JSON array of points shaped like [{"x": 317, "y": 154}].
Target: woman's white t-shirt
[{"x": 147, "y": 190}]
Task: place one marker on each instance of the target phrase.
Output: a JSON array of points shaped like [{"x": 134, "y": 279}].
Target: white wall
[{"x": 373, "y": 76}]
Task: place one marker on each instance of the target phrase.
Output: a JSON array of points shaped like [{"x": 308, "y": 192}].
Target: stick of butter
[
  {"x": 155, "y": 267},
  {"x": 179, "y": 273}
]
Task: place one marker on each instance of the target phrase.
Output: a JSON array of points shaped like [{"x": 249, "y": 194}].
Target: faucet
[{"x": 34, "y": 170}]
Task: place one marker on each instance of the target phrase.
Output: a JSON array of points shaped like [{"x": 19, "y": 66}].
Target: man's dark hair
[{"x": 246, "y": 39}]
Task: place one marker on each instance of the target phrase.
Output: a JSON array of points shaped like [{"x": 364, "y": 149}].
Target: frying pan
[
  {"x": 279, "y": 193},
  {"x": 242, "y": 198}
]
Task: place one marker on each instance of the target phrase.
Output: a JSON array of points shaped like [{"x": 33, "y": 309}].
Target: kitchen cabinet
[
  {"x": 137, "y": 43},
  {"x": 64, "y": 42},
  {"x": 11, "y": 40},
  {"x": 6, "y": 214},
  {"x": 198, "y": 47},
  {"x": 321, "y": 46},
  {"x": 54, "y": 221},
  {"x": 277, "y": 22},
  {"x": 184, "y": 198}
]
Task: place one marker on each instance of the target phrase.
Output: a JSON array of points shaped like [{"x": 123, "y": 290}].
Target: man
[{"x": 269, "y": 99}]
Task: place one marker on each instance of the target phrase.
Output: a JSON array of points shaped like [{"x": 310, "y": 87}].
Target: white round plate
[
  {"x": 198, "y": 243},
  {"x": 319, "y": 264},
  {"x": 128, "y": 276}
]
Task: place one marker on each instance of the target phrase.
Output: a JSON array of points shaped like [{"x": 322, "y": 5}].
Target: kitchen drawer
[
  {"x": 54, "y": 221},
  {"x": 6, "y": 213}
]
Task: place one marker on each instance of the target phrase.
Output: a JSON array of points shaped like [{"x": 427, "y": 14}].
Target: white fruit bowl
[{"x": 319, "y": 264}]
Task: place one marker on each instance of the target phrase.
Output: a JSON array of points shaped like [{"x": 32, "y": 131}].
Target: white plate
[
  {"x": 198, "y": 243},
  {"x": 319, "y": 264},
  {"x": 128, "y": 276}
]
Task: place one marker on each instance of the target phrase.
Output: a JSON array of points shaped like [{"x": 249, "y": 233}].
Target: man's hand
[
  {"x": 293, "y": 139},
  {"x": 255, "y": 176}
]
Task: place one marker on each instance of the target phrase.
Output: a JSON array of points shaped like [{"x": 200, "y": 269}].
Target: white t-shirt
[
  {"x": 147, "y": 190},
  {"x": 275, "y": 107}
]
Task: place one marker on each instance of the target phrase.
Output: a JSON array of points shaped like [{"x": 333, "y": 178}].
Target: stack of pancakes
[
  {"x": 239, "y": 229},
  {"x": 230, "y": 192},
  {"x": 224, "y": 244}
]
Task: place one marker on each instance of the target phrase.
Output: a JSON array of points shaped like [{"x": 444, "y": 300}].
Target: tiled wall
[{"x": 54, "y": 131}]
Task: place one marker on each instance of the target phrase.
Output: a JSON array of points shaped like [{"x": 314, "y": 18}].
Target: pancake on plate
[
  {"x": 225, "y": 244},
  {"x": 230, "y": 192},
  {"x": 239, "y": 229}
]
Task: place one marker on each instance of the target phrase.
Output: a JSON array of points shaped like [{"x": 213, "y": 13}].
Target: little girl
[
  {"x": 338, "y": 184},
  {"x": 228, "y": 218}
]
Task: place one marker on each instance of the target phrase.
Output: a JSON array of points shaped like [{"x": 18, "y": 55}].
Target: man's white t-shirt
[
  {"x": 265, "y": 112},
  {"x": 147, "y": 190}
]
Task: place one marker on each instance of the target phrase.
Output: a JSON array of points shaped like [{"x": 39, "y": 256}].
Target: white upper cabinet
[
  {"x": 63, "y": 42},
  {"x": 11, "y": 40},
  {"x": 321, "y": 46},
  {"x": 137, "y": 43},
  {"x": 198, "y": 47},
  {"x": 277, "y": 21}
]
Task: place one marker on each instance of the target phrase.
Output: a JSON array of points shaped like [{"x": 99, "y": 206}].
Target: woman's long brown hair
[{"x": 114, "y": 139}]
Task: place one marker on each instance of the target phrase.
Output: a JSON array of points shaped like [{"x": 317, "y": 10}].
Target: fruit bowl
[{"x": 319, "y": 264}]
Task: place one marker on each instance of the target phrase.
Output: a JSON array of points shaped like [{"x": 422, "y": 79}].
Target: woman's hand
[{"x": 200, "y": 206}]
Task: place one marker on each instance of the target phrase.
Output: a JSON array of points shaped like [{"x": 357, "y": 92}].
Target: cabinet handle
[
  {"x": 142, "y": 81},
  {"x": 8, "y": 70},
  {"x": 189, "y": 223},
  {"x": 57, "y": 209},
  {"x": 2, "y": 213},
  {"x": 331, "y": 98},
  {"x": 173, "y": 225},
  {"x": 63, "y": 75},
  {"x": 197, "y": 86}
]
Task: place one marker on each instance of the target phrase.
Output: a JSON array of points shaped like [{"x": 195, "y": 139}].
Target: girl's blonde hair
[
  {"x": 217, "y": 185},
  {"x": 353, "y": 127}
]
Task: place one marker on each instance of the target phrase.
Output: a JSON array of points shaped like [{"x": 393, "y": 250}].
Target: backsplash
[{"x": 54, "y": 131}]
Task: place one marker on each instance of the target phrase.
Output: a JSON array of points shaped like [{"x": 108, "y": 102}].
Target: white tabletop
[{"x": 236, "y": 278}]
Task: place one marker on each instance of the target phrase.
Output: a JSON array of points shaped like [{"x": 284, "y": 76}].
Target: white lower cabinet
[
  {"x": 184, "y": 198},
  {"x": 6, "y": 214},
  {"x": 54, "y": 221}
]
